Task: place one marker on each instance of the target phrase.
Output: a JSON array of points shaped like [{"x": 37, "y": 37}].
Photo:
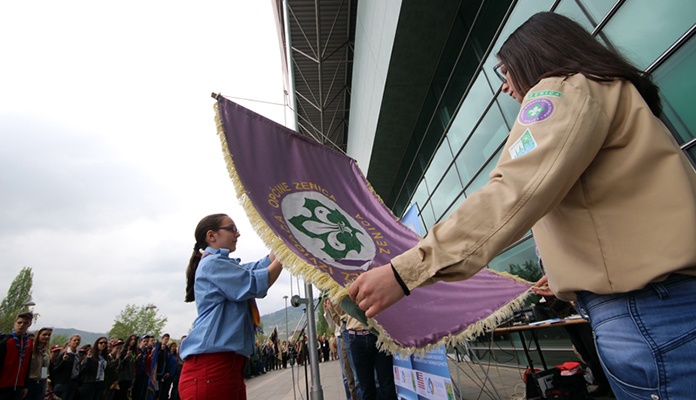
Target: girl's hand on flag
[{"x": 375, "y": 290}]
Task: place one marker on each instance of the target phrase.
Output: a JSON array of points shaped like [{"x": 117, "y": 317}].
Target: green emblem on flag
[{"x": 330, "y": 226}]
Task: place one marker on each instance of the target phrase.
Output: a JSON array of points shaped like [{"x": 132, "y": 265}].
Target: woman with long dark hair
[
  {"x": 611, "y": 199},
  {"x": 93, "y": 370},
  {"x": 224, "y": 291},
  {"x": 38, "y": 369},
  {"x": 126, "y": 374},
  {"x": 113, "y": 367}
]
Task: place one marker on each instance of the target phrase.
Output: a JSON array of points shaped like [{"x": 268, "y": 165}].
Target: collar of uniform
[{"x": 222, "y": 252}]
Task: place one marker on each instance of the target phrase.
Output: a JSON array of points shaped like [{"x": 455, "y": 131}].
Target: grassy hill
[
  {"x": 296, "y": 321},
  {"x": 87, "y": 337}
]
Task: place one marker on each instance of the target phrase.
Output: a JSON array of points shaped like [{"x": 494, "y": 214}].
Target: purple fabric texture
[{"x": 318, "y": 202}]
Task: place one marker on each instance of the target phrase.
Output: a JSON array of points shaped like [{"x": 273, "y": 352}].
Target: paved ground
[{"x": 277, "y": 385}]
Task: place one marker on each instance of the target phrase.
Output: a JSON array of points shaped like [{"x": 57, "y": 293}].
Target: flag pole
[{"x": 317, "y": 391}]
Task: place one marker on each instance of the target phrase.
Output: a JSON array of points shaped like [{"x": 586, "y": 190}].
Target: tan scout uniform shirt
[{"x": 610, "y": 196}]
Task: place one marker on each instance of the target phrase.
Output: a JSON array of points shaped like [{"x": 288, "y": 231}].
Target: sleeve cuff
[
  {"x": 400, "y": 281},
  {"x": 409, "y": 267}
]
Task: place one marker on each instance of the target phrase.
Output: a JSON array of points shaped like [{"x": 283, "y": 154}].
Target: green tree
[
  {"x": 137, "y": 320},
  {"x": 18, "y": 295},
  {"x": 528, "y": 271}
]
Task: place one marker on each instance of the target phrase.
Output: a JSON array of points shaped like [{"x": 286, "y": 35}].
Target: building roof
[{"x": 322, "y": 35}]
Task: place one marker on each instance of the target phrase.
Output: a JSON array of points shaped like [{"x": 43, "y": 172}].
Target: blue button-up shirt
[{"x": 223, "y": 287}]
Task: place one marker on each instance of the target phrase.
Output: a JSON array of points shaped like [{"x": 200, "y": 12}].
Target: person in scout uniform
[
  {"x": 223, "y": 333},
  {"x": 611, "y": 199},
  {"x": 15, "y": 359}
]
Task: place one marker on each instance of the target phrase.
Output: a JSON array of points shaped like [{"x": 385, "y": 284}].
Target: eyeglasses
[
  {"x": 499, "y": 73},
  {"x": 231, "y": 228},
  {"x": 101, "y": 343}
]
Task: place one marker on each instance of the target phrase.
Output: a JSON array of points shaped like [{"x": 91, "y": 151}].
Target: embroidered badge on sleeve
[
  {"x": 523, "y": 145},
  {"x": 536, "y": 111}
]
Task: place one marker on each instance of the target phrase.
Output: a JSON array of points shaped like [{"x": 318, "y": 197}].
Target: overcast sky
[{"x": 109, "y": 155}]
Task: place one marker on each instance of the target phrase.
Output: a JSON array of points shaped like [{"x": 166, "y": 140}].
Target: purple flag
[{"x": 315, "y": 209}]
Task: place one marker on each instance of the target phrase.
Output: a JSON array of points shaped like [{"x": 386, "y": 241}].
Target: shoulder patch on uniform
[
  {"x": 544, "y": 93},
  {"x": 535, "y": 111},
  {"x": 523, "y": 145}
]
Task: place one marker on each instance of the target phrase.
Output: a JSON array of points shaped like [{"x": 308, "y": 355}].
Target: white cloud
[{"x": 108, "y": 149}]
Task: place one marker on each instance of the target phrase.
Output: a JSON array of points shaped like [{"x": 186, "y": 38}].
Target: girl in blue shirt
[{"x": 223, "y": 333}]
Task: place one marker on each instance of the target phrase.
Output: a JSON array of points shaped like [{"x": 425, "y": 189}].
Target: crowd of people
[
  {"x": 118, "y": 369},
  {"x": 137, "y": 368},
  {"x": 273, "y": 354}
]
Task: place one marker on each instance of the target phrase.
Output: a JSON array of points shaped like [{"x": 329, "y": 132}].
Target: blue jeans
[
  {"x": 339, "y": 345},
  {"x": 646, "y": 339},
  {"x": 368, "y": 361},
  {"x": 346, "y": 342}
]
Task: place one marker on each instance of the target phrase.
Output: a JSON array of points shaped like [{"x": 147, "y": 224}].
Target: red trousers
[{"x": 213, "y": 376}]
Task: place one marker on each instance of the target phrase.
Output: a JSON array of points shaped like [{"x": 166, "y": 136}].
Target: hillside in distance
[
  {"x": 86, "y": 337},
  {"x": 296, "y": 320}
]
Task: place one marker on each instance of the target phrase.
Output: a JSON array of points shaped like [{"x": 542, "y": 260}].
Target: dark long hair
[
  {"x": 211, "y": 222},
  {"x": 549, "y": 44},
  {"x": 95, "y": 348},
  {"x": 127, "y": 345}
]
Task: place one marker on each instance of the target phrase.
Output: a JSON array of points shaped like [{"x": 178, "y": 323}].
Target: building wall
[{"x": 375, "y": 29}]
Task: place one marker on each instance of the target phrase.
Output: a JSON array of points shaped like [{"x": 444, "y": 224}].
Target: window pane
[
  {"x": 597, "y": 8},
  {"x": 469, "y": 113},
  {"x": 677, "y": 87},
  {"x": 460, "y": 78},
  {"x": 428, "y": 216},
  {"x": 421, "y": 194},
  {"x": 444, "y": 195},
  {"x": 482, "y": 177},
  {"x": 441, "y": 161},
  {"x": 521, "y": 260},
  {"x": 570, "y": 9},
  {"x": 483, "y": 143},
  {"x": 643, "y": 29}
]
